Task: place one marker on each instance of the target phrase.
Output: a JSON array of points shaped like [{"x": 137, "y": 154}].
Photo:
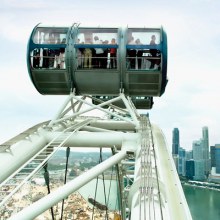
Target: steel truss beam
[{"x": 152, "y": 189}]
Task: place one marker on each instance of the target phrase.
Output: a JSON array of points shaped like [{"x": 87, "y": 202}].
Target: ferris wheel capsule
[{"x": 98, "y": 61}]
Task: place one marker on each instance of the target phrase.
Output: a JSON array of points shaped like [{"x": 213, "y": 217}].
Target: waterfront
[{"x": 204, "y": 203}]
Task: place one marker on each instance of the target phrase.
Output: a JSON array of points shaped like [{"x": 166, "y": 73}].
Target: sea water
[{"x": 204, "y": 204}]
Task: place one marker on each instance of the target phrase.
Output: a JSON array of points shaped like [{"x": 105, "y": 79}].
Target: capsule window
[
  {"x": 45, "y": 58},
  {"x": 143, "y": 49},
  {"x": 97, "y": 48},
  {"x": 49, "y": 48},
  {"x": 50, "y": 36}
]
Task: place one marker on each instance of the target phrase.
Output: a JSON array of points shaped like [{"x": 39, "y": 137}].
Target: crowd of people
[
  {"x": 141, "y": 58},
  {"x": 50, "y": 57},
  {"x": 100, "y": 57}
]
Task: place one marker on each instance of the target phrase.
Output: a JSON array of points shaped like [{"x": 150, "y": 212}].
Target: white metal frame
[{"x": 156, "y": 192}]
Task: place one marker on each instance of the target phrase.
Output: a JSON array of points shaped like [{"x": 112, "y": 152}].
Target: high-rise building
[
  {"x": 212, "y": 153},
  {"x": 199, "y": 170},
  {"x": 182, "y": 162},
  {"x": 198, "y": 150},
  {"x": 190, "y": 169},
  {"x": 198, "y": 159},
  {"x": 215, "y": 163},
  {"x": 205, "y": 136},
  {"x": 189, "y": 155},
  {"x": 176, "y": 141},
  {"x": 175, "y": 159},
  {"x": 217, "y": 158}
]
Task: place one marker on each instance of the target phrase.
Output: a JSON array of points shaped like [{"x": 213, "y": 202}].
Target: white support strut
[
  {"x": 153, "y": 189},
  {"x": 53, "y": 198}
]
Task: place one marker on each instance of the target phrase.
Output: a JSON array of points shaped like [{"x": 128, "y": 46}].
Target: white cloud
[
  {"x": 191, "y": 98},
  {"x": 23, "y": 4}
]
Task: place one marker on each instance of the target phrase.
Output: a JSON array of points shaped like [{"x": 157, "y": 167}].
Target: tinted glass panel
[
  {"x": 46, "y": 58},
  {"x": 101, "y": 55},
  {"x": 50, "y": 36},
  {"x": 142, "y": 53},
  {"x": 96, "y": 36},
  {"x": 137, "y": 36}
]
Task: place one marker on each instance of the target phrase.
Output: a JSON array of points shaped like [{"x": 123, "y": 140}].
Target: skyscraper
[
  {"x": 199, "y": 170},
  {"x": 212, "y": 153},
  {"x": 198, "y": 150},
  {"x": 198, "y": 160},
  {"x": 176, "y": 141},
  {"x": 215, "y": 164},
  {"x": 217, "y": 158},
  {"x": 205, "y": 136},
  {"x": 182, "y": 162},
  {"x": 190, "y": 169}
]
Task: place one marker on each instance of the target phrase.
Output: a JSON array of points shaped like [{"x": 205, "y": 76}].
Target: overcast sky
[{"x": 191, "y": 100}]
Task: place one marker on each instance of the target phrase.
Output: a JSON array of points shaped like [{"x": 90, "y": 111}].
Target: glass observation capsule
[{"x": 98, "y": 61}]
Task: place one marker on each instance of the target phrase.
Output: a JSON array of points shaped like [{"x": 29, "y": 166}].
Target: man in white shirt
[{"x": 99, "y": 54}]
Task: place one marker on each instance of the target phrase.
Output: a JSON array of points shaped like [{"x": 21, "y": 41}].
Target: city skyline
[
  {"x": 202, "y": 163},
  {"x": 176, "y": 140},
  {"x": 191, "y": 97}
]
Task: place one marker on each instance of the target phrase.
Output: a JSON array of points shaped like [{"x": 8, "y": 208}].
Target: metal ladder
[{"x": 14, "y": 182}]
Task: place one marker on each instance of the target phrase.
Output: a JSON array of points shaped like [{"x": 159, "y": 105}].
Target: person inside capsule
[
  {"x": 139, "y": 53},
  {"x": 131, "y": 53},
  {"x": 52, "y": 52},
  {"x": 87, "y": 54},
  {"x": 99, "y": 54},
  {"x": 155, "y": 63},
  {"x": 80, "y": 55},
  {"x": 113, "y": 51}
]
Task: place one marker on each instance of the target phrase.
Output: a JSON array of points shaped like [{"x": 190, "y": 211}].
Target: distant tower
[
  {"x": 212, "y": 153},
  {"x": 176, "y": 141},
  {"x": 189, "y": 155},
  {"x": 198, "y": 160},
  {"x": 217, "y": 158},
  {"x": 190, "y": 169},
  {"x": 205, "y": 136},
  {"x": 214, "y": 176},
  {"x": 198, "y": 150},
  {"x": 182, "y": 162}
]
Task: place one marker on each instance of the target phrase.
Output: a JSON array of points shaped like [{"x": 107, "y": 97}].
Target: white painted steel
[
  {"x": 130, "y": 110},
  {"x": 57, "y": 116},
  {"x": 174, "y": 195},
  {"x": 99, "y": 107},
  {"x": 156, "y": 192},
  {"x": 113, "y": 125},
  {"x": 20, "y": 153},
  {"x": 63, "y": 192},
  {"x": 24, "y": 150},
  {"x": 165, "y": 188},
  {"x": 93, "y": 129},
  {"x": 144, "y": 199},
  {"x": 96, "y": 139},
  {"x": 45, "y": 154},
  {"x": 93, "y": 107}
]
